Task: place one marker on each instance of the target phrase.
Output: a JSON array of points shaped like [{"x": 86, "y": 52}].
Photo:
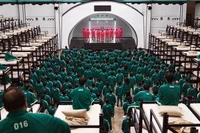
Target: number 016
[{"x": 21, "y": 125}]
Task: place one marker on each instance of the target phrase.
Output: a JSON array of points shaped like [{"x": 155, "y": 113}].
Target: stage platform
[{"x": 125, "y": 43}]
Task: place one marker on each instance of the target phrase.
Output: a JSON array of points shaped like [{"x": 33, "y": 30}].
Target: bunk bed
[
  {"x": 155, "y": 123},
  {"x": 95, "y": 123},
  {"x": 17, "y": 68},
  {"x": 3, "y": 74}
]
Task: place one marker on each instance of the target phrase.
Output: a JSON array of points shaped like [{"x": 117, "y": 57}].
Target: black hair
[
  {"x": 13, "y": 99},
  {"x": 82, "y": 81}
]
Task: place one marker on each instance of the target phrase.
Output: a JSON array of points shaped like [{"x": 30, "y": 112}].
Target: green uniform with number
[
  {"x": 23, "y": 122},
  {"x": 81, "y": 98},
  {"x": 169, "y": 94}
]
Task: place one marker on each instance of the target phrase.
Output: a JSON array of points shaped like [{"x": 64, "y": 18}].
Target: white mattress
[
  {"x": 195, "y": 107},
  {"x": 4, "y": 113},
  {"x": 188, "y": 115},
  {"x": 191, "y": 55},
  {"x": 93, "y": 114},
  {"x": 4, "y": 62},
  {"x": 173, "y": 43},
  {"x": 25, "y": 48},
  {"x": 21, "y": 54}
]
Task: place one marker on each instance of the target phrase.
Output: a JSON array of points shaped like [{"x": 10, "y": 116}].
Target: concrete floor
[{"x": 117, "y": 120}]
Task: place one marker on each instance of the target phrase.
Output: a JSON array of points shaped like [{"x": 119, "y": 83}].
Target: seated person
[
  {"x": 19, "y": 120},
  {"x": 81, "y": 96},
  {"x": 169, "y": 93}
]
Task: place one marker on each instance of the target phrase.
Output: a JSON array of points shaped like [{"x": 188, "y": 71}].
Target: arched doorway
[
  {"x": 72, "y": 17},
  {"x": 107, "y": 21}
]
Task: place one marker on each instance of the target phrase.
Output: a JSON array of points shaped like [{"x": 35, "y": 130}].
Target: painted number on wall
[{"x": 20, "y": 125}]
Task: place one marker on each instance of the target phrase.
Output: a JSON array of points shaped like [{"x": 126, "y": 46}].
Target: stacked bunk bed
[
  {"x": 149, "y": 119},
  {"x": 28, "y": 43},
  {"x": 181, "y": 46}
]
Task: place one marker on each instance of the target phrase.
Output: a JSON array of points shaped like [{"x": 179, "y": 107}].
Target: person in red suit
[
  {"x": 116, "y": 34},
  {"x": 98, "y": 35},
  {"x": 120, "y": 33},
  {"x": 111, "y": 34},
  {"x": 107, "y": 35},
  {"x": 93, "y": 34},
  {"x": 87, "y": 35},
  {"x": 102, "y": 35},
  {"x": 84, "y": 34}
]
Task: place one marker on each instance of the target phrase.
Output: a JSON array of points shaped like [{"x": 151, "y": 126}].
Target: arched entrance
[{"x": 75, "y": 15}]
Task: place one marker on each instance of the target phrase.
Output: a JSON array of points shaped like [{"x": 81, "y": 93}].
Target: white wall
[
  {"x": 44, "y": 14},
  {"x": 119, "y": 9},
  {"x": 197, "y": 10},
  {"x": 165, "y": 11},
  {"x": 9, "y": 11}
]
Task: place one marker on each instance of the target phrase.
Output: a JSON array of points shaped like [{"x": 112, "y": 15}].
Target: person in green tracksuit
[
  {"x": 108, "y": 112},
  {"x": 112, "y": 99},
  {"x": 19, "y": 120},
  {"x": 126, "y": 124},
  {"x": 139, "y": 77},
  {"x": 192, "y": 92},
  {"x": 126, "y": 86},
  {"x": 119, "y": 77},
  {"x": 137, "y": 89},
  {"x": 63, "y": 97},
  {"x": 30, "y": 97},
  {"x": 52, "y": 109},
  {"x": 1, "y": 94},
  {"x": 119, "y": 93},
  {"x": 132, "y": 80},
  {"x": 39, "y": 88},
  {"x": 99, "y": 85},
  {"x": 81, "y": 96},
  {"x": 112, "y": 80},
  {"x": 185, "y": 87},
  {"x": 106, "y": 126},
  {"x": 198, "y": 96},
  {"x": 126, "y": 104},
  {"x": 177, "y": 75},
  {"x": 145, "y": 95},
  {"x": 106, "y": 89},
  {"x": 169, "y": 93},
  {"x": 87, "y": 73}
]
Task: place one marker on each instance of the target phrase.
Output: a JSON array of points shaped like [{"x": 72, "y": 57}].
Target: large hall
[{"x": 99, "y": 66}]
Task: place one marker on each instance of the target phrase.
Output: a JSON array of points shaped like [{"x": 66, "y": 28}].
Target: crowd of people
[
  {"x": 102, "y": 34},
  {"x": 114, "y": 78}
]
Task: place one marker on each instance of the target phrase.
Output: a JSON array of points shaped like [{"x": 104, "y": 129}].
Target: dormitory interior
[{"x": 43, "y": 41}]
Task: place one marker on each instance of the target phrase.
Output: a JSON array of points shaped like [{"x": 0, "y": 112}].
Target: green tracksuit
[
  {"x": 24, "y": 122},
  {"x": 108, "y": 113},
  {"x": 119, "y": 94},
  {"x": 81, "y": 98},
  {"x": 145, "y": 95},
  {"x": 30, "y": 97},
  {"x": 169, "y": 94},
  {"x": 126, "y": 125}
]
